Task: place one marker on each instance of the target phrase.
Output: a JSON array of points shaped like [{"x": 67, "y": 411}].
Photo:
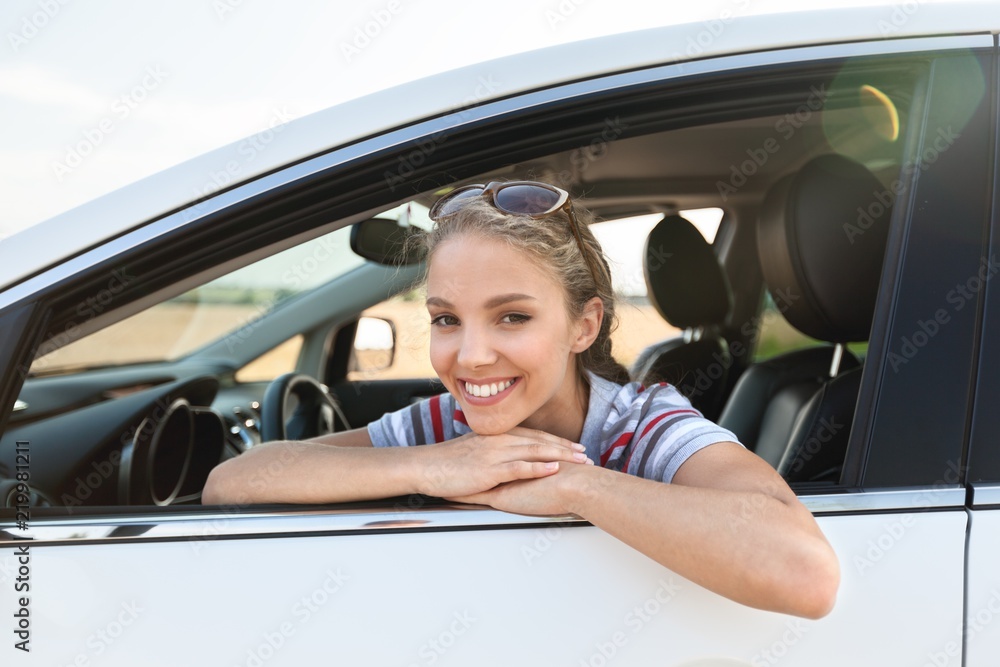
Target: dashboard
[{"x": 138, "y": 435}]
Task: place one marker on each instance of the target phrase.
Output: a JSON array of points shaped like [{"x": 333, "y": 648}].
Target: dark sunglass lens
[
  {"x": 451, "y": 203},
  {"x": 528, "y": 199}
]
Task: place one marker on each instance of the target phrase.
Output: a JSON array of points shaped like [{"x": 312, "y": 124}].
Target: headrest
[
  {"x": 821, "y": 239},
  {"x": 684, "y": 280}
]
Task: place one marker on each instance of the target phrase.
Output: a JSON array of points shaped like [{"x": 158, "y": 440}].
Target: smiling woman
[{"x": 540, "y": 419}]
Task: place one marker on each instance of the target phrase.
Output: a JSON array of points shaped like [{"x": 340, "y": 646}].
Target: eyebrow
[{"x": 495, "y": 302}]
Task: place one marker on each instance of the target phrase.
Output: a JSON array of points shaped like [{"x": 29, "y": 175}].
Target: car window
[
  {"x": 276, "y": 361},
  {"x": 702, "y": 159},
  {"x": 223, "y": 307},
  {"x": 411, "y": 360},
  {"x": 624, "y": 242},
  {"x": 776, "y": 336}
]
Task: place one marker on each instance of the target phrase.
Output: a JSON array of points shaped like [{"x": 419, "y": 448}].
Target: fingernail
[
  {"x": 578, "y": 447},
  {"x": 590, "y": 462},
  {"x": 552, "y": 465},
  {"x": 580, "y": 456}
]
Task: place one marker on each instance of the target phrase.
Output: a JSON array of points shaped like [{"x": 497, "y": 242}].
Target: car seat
[
  {"x": 796, "y": 410},
  {"x": 689, "y": 289}
]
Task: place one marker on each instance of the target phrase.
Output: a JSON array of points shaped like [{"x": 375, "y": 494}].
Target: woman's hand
[
  {"x": 544, "y": 496},
  {"x": 472, "y": 463}
]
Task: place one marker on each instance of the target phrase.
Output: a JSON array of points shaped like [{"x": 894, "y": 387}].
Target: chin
[{"x": 489, "y": 425}]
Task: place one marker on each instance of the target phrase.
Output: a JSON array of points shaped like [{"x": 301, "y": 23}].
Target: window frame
[{"x": 296, "y": 203}]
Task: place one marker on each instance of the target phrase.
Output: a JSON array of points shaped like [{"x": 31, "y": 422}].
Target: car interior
[{"x": 801, "y": 166}]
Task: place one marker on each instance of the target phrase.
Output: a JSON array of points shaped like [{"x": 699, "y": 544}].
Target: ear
[{"x": 589, "y": 325}]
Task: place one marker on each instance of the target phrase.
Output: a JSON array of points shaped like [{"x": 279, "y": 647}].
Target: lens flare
[{"x": 880, "y": 112}]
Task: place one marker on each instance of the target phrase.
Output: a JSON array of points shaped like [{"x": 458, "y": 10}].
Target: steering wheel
[{"x": 313, "y": 414}]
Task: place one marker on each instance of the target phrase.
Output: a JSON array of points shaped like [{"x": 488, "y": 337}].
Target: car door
[
  {"x": 413, "y": 581},
  {"x": 980, "y": 628}
]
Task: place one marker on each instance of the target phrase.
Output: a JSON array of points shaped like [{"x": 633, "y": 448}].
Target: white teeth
[{"x": 487, "y": 389}]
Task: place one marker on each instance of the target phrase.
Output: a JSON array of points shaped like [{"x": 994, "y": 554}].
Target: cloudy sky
[{"x": 95, "y": 95}]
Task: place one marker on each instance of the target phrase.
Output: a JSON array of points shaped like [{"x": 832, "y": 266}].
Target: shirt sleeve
[
  {"x": 422, "y": 423},
  {"x": 667, "y": 431}
]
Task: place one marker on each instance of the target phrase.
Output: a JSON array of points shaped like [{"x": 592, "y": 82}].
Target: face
[{"x": 502, "y": 340}]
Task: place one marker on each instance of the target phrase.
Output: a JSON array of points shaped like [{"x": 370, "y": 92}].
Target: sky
[{"x": 95, "y": 95}]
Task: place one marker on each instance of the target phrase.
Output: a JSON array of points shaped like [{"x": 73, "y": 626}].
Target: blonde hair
[{"x": 551, "y": 243}]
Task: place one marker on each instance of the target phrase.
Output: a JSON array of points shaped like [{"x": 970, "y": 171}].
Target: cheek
[{"x": 437, "y": 353}]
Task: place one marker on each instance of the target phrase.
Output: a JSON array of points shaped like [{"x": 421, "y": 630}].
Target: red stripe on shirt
[
  {"x": 620, "y": 442},
  {"x": 651, "y": 425},
  {"x": 435, "y": 407},
  {"x": 459, "y": 416}
]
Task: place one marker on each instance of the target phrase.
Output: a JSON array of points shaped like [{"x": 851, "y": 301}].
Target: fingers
[
  {"x": 535, "y": 452},
  {"x": 530, "y": 469},
  {"x": 542, "y": 436}
]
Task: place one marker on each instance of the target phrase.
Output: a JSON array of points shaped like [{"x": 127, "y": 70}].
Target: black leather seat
[
  {"x": 796, "y": 409},
  {"x": 689, "y": 289}
]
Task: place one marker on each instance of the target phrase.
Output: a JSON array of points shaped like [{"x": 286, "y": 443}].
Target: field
[{"x": 173, "y": 329}]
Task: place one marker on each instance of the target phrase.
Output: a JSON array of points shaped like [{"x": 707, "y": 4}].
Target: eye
[
  {"x": 515, "y": 318},
  {"x": 444, "y": 321}
]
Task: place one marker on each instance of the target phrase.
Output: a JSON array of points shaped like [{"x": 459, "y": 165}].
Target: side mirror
[
  {"x": 385, "y": 241},
  {"x": 374, "y": 345}
]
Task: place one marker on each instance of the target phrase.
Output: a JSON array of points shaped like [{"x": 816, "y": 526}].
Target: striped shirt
[{"x": 644, "y": 431}]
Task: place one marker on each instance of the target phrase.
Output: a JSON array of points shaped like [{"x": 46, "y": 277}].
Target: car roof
[{"x": 32, "y": 250}]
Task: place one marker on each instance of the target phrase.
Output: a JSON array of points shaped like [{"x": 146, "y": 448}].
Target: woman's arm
[
  {"x": 345, "y": 467},
  {"x": 727, "y": 522}
]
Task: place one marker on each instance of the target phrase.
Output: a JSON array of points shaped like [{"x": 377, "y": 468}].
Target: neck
[{"x": 566, "y": 413}]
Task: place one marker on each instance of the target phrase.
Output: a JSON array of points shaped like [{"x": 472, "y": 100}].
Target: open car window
[
  {"x": 223, "y": 307},
  {"x": 652, "y": 153}
]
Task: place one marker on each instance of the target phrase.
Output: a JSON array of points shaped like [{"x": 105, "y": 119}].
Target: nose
[{"x": 476, "y": 348}]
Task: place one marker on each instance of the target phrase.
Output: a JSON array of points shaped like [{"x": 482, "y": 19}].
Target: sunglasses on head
[{"x": 529, "y": 198}]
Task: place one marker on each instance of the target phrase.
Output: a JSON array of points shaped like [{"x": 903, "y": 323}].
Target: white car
[{"x": 850, "y": 156}]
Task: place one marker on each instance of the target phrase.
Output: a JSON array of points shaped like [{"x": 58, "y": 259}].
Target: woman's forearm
[
  {"x": 312, "y": 472},
  {"x": 748, "y": 546},
  {"x": 345, "y": 467}
]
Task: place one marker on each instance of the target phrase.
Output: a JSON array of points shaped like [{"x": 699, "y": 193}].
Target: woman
[{"x": 522, "y": 309}]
